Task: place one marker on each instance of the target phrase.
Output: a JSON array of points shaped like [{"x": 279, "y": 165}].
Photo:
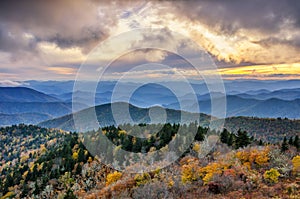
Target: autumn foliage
[{"x": 113, "y": 177}]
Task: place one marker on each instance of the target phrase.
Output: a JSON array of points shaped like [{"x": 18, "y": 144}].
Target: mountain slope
[
  {"x": 32, "y": 112},
  {"x": 26, "y": 118},
  {"x": 269, "y": 129},
  {"x": 105, "y": 117},
  {"x": 284, "y": 94},
  {"x": 22, "y": 94},
  {"x": 238, "y": 106}
]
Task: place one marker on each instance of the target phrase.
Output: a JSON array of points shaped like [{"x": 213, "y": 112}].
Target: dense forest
[{"x": 47, "y": 163}]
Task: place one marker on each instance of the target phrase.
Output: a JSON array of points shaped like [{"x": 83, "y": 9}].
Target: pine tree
[
  {"x": 242, "y": 139},
  {"x": 127, "y": 144},
  {"x": 36, "y": 188},
  {"x": 81, "y": 157},
  {"x": 291, "y": 141},
  {"x": 284, "y": 145},
  {"x": 25, "y": 190},
  {"x": 231, "y": 139},
  {"x": 200, "y": 134},
  {"x": 224, "y": 137},
  {"x": 296, "y": 142}
]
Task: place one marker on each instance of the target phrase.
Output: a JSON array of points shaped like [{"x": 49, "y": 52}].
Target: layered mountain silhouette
[
  {"x": 25, "y": 105},
  {"x": 38, "y": 101},
  {"x": 113, "y": 114}
]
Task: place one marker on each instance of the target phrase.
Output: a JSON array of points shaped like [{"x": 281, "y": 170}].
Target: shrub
[
  {"x": 189, "y": 170},
  {"x": 271, "y": 175},
  {"x": 113, "y": 177},
  {"x": 142, "y": 179},
  {"x": 151, "y": 190},
  {"x": 210, "y": 170},
  {"x": 196, "y": 147},
  {"x": 254, "y": 157}
]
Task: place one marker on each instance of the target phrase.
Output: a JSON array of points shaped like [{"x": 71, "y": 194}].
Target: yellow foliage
[
  {"x": 24, "y": 158},
  {"x": 156, "y": 171},
  {"x": 296, "y": 165},
  {"x": 272, "y": 175},
  {"x": 90, "y": 160},
  {"x": 86, "y": 152},
  {"x": 247, "y": 165},
  {"x": 171, "y": 183},
  {"x": 75, "y": 156},
  {"x": 243, "y": 156},
  {"x": 142, "y": 179},
  {"x": 43, "y": 148},
  {"x": 133, "y": 140},
  {"x": 190, "y": 171},
  {"x": 25, "y": 174},
  {"x": 31, "y": 166},
  {"x": 196, "y": 147},
  {"x": 213, "y": 168},
  {"x": 122, "y": 132},
  {"x": 40, "y": 166},
  {"x": 113, "y": 177},
  {"x": 7, "y": 195},
  {"x": 259, "y": 157}
]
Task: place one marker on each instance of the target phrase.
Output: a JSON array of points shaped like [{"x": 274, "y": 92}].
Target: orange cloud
[{"x": 62, "y": 70}]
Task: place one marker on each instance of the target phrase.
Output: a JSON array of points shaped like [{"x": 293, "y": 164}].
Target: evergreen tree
[
  {"x": 9, "y": 181},
  {"x": 224, "y": 137},
  {"x": 291, "y": 141},
  {"x": 296, "y": 142},
  {"x": 242, "y": 139},
  {"x": 137, "y": 146},
  {"x": 284, "y": 146},
  {"x": 127, "y": 144},
  {"x": 81, "y": 157},
  {"x": 200, "y": 134},
  {"x": 25, "y": 190},
  {"x": 36, "y": 188},
  {"x": 230, "y": 139}
]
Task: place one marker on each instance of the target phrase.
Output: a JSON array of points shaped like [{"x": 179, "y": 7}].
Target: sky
[{"x": 50, "y": 40}]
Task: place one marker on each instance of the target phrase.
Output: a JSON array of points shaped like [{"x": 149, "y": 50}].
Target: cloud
[
  {"x": 9, "y": 83},
  {"x": 66, "y": 23},
  {"x": 241, "y": 31},
  {"x": 38, "y": 37},
  {"x": 62, "y": 70},
  {"x": 228, "y": 17}
]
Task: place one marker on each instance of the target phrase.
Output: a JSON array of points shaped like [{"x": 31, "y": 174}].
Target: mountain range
[
  {"x": 37, "y": 101},
  {"x": 25, "y": 105}
]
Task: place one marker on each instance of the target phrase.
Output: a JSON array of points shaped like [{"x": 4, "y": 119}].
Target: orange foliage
[
  {"x": 210, "y": 170},
  {"x": 253, "y": 156},
  {"x": 113, "y": 177},
  {"x": 189, "y": 169}
]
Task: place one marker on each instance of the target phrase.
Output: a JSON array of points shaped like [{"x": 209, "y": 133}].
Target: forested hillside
[
  {"x": 46, "y": 163},
  {"x": 267, "y": 129}
]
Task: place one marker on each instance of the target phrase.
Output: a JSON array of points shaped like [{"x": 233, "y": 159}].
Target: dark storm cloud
[
  {"x": 229, "y": 16},
  {"x": 66, "y": 23},
  {"x": 295, "y": 42},
  {"x": 14, "y": 41}
]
